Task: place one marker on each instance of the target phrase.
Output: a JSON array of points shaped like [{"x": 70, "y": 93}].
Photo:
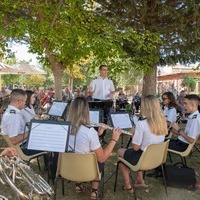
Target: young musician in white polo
[{"x": 192, "y": 129}]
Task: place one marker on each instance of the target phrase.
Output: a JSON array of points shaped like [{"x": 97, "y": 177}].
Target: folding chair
[
  {"x": 24, "y": 157},
  {"x": 79, "y": 168},
  {"x": 154, "y": 155},
  {"x": 184, "y": 153}
]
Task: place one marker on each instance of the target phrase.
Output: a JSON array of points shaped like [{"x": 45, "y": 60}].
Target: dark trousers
[{"x": 177, "y": 145}]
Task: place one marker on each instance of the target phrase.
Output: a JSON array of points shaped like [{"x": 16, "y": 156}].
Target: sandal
[
  {"x": 129, "y": 190},
  {"x": 95, "y": 194},
  {"x": 141, "y": 185},
  {"x": 80, "y": 188}
]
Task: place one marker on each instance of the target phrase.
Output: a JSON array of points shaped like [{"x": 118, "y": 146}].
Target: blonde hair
[
  {"x": 150, "y": 108},
  {"x": 78, "y": 114}
]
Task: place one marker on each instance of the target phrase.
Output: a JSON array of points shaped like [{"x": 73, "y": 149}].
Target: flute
[{"x": 110, "y": 128}]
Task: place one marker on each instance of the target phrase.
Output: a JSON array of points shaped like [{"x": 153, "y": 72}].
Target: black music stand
[{"x": 104, "y": 105}]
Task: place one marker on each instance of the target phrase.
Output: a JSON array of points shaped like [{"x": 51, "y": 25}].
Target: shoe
[
  {"x": 94, "y": 194},
  {"x": 141, "y": 185},
  {"x": 80, "y": 188},
  {"x": 129, "y": 190},
  {"x": 197, "y": 185}
]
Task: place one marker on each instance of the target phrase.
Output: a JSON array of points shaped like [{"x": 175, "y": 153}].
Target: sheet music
[
  {"x": 48, "y": 137},
  {"x": 121, "y": 120},
  {"x": 57, "y": 108},
  {"x": 94, "y": 116}
]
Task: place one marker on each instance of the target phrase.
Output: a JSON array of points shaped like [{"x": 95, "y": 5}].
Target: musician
[
  {"x": 150, "y": 129},
  {"x": 169, "y": 109},
  {"x": 192, "y": 129},
  {"x": 28, "y": 111},
  {"x": 102, "y": 89},
  {"x": 10, "y": 152},
  {"x": 12, "y": 122},
  {"x": 86, "y": 139}
]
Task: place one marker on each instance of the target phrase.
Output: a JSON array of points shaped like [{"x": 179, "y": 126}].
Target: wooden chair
[
  {"x": 79, "y": 168},
  {"x": 154, "y": 155},
  {"x": 184, "y": 153},
  {"x": 24, "y": 157}
]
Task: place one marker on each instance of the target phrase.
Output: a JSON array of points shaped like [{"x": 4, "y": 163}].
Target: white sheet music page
[
  {"x": 121, "y": 120},
  {"x": 57, "y": 109},
  {"x": 94, "y": 116},
  {"x": 48, "y": 137}
]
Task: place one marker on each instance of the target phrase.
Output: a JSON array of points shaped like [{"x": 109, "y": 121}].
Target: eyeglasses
[
  {"x": 164, "y": 98},
  {"x": 21, "y": 100}
]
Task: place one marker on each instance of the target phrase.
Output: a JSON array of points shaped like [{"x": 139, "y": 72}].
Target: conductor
[{"x": 102, "y": 89}]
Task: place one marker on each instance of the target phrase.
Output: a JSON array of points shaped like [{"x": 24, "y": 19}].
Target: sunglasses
[{"x": 164, "y": 98}]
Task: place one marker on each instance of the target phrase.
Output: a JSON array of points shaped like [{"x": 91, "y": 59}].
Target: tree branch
[{"x": 56, "y": 14}]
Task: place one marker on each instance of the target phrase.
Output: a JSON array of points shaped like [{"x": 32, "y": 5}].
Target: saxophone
[{"x": 15, "y": 169}]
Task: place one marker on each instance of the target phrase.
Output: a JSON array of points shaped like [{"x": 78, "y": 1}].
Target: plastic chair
[
  {"x": 79, "y": 168},
  {"x": 24, "y": 157},
  {"x": 184, "y": 153},
  {"x": 154, "y": 155}
]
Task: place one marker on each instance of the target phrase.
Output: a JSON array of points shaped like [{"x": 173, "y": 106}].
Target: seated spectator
[
  {"x": 67, "y": 96},
  {"x": 137, "y": 101},
  {"x": 78, "y": 93}
]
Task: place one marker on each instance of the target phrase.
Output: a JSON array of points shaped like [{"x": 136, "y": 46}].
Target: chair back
[
  {"x": 153, "y": 156},
  {"x": 78, "y": 167},
  {"x": 17, "y": 147},
  {"x": 189, "y": 148}
]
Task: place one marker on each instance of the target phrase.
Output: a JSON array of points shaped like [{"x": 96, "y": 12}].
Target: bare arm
[
  {"x": 103, "y": 154},
  {"x": 19, "y": 138}
]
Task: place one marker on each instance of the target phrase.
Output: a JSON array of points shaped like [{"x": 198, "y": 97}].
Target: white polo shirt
[
  {"x": 170, "y": 114},
  {"x": 101, "y": 88},
  {"x": 12, "y": 122},
  {"x": 143, "y": 135},
  {"x": 192, "y": 128},
  {"x": 87, "y": 140}
]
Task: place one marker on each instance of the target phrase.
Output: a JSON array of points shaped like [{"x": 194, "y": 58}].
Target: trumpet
[
  {"x": 110, "y": 128},
  {"x": 13, "y": 169}
]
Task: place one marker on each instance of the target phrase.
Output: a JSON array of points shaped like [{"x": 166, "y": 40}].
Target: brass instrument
[
  {"x": 110, "y": 128},
  {"x": 14, "y": 169}
]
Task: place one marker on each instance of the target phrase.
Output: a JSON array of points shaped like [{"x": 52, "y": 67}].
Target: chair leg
[
  {"x": 135, "y": 196},
  {"x": 164, "y": 179},
  {"x": 185, "y": 163},
  {"x": 102, "y": 185},
  {"x": 38, "y": 162},
  {"x": 116, "y": 176},
  {"x": 63, "y": 187},
  {"x": 55, "y": 188},
  {"x": 170, "y": 157}
]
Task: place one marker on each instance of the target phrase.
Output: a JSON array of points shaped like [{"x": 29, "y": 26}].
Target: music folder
[
  {"x": 95, "y": 116},
  {"x": 49, "y": 135},
  {"x": 58, "y": 109},
  {"x": 120, "y": 120}
]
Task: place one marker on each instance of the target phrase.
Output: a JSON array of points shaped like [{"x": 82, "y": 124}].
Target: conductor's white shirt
[
  {"x": 102, "y": 88},
  {"x": 192, "y": 128},
  {"x": 12, "y": 122}
]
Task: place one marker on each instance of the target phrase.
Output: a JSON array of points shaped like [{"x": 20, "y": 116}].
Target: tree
[
  {"x": 190, "y": 82},
  {"x": 175, "y": 22},
  {"x": 64, "y": 32}
]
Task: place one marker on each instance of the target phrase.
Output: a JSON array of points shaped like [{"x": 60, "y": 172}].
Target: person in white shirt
[
  {"x": 169, "y": 109},
  {"x": 102, "y": 88},
  {"x": 150, "y": 129},
  {"x": 85, "y": 139},
  {"x": 192, "y": 129},
  {"x": 28, "y": 111}
]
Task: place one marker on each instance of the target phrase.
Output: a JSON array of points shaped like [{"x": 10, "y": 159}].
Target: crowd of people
[{"x": 156, "y": 120}]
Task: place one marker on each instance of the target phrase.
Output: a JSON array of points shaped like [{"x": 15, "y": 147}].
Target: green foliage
[{"x": 190, "y": 82}]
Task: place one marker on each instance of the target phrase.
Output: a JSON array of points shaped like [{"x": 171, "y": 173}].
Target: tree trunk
[
  {"x": 149, "y": 82},
  {"x": 58, "y": 71}
]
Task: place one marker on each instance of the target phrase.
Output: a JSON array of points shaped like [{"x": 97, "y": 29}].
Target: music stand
[
  {"x": 100, "y": 104},
  {"x": 58, "y": 109},
  {"x": 49, "y": 135},
  {"x": 95, "y": 116}
]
